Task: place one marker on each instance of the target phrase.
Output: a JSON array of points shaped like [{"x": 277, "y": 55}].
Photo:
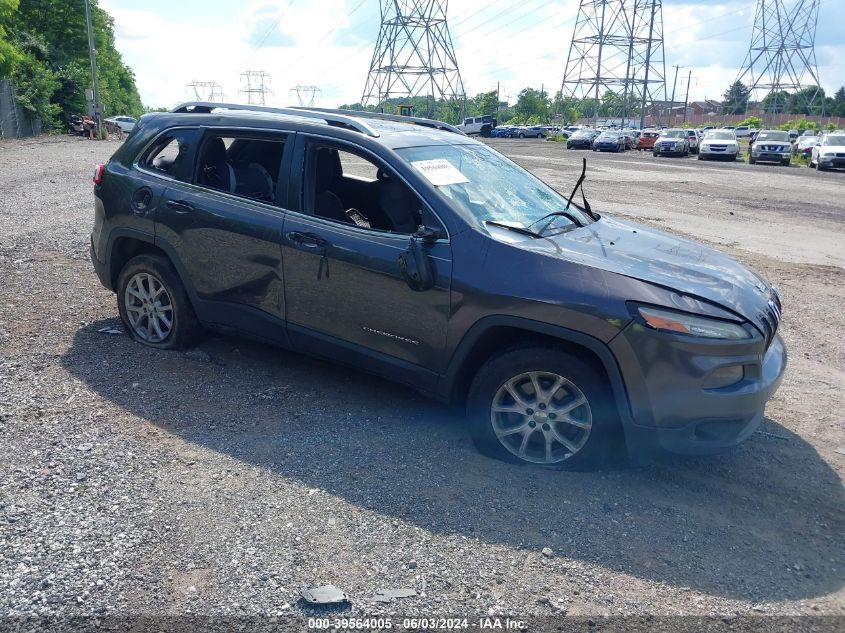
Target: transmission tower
[
  {"x": 782, "y": 57},
  {"x": 306, "y": 94},
  {"x": 206, "y": 91},
  {"x": 414, "y": 57},
  {"x": 255, "y": 86},
  {"x": 616, "y": 58}
]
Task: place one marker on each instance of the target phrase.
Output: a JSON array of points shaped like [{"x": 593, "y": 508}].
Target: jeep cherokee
[{"x": 403, "y": 247}]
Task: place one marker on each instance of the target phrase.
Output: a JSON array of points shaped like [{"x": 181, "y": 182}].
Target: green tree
[
  {"x": 531, "y": 102},
  {"x": 735, "y": 99},
  {"x": 53, "y": 34},
  {"x": 9, "y": 54},
  {"x": 838, "y": 105}
]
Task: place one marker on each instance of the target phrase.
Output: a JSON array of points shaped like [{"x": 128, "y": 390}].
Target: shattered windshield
[{"x": 485, "y": 186}]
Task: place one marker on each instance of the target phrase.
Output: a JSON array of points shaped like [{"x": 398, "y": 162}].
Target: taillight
[{"x": 98, "y": 174}]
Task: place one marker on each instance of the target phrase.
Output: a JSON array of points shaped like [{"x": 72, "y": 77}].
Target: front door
[{"x": 345, "y": 293}]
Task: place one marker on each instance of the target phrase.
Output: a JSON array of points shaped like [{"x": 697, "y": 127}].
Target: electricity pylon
[
  {"x": 306, "y": 94},
  {"x": 414, "y": 56},
  {"x": 782, "y": 58},
  {"x": 616, "y": 58},
  {"x": 256, "y": 86},
  {"x": 206, "y": 91}
]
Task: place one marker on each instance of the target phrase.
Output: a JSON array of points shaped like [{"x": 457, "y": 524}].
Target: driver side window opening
[{"x": 350, "y": 188}]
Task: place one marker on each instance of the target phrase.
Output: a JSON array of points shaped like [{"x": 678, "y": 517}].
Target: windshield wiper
[
  {"x": 580, "y": 184},
  {"x": 555, "y": 214},
  {"x": 515, "y": 229}
]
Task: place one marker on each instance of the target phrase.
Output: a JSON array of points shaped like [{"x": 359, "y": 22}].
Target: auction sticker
[{"x": 440, "y": 172}]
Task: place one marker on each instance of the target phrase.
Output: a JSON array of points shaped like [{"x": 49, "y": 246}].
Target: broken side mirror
[
  {"x": 414, "y": 262},
  {"x": 427, "y": 234}
]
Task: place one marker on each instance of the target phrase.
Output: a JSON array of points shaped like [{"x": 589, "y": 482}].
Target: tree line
[
  {"x": 535, "y": 107},
  {"x": 44, "y": 51}
]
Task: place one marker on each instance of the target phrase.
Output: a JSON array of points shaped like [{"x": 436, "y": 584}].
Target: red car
[{"x": 647, "y": 139}]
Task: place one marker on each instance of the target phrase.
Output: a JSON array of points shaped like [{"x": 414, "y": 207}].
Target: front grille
[{"x": 718, "y": 148}]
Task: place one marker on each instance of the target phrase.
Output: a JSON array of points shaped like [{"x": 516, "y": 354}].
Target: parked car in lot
[
  {"x": 609, "y": 141},
  {"x": 719, "y": 144},
  {"x": 626, "y": 329},
  {"x": 501, "y": 131},
  {"x": 742, "y": 131},
  {"x": 631, "y": 137},
  {"x": 647, "y": 139},
  {"x": 804, "y": 146},
  {"x": 829, "y": 152},
  {"x": 481, "y": 125},
  {"x": 793, "y": 135},
  {"x": 528, "y": 131},
  {"x": 125, "y": 123},
  {"x": 694, "y": 139},
  {"x": 770, "y": 146},
  {"x": 673, "y": 141},
  {"x": 582, "y": 139}
]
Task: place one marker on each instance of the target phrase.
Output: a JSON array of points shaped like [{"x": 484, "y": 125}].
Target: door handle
[
  {"x": 179, "y": 206},
  {"x": 307, "y": 240}
]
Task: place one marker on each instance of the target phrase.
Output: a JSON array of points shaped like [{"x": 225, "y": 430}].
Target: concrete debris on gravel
[{"x": 223, "y": 480}]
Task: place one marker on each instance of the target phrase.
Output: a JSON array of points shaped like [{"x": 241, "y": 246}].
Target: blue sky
[{"x": 328, "y": 43}]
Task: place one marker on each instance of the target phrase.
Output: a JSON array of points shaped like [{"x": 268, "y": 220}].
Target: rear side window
[
  {"x": 244, "y": 166},
  {"x": 172, "y": 154}
]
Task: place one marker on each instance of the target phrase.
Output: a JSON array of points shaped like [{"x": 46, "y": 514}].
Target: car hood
[{"x": 643, "y": 253}]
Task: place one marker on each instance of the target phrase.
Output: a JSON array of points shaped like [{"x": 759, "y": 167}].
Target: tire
[
  {"x": 786, "y": 163},
  {"x": 595, "y": 430},
  {"x": 146, "y": 273},
  {"x": 522, "y": 136},
  {"x": 655, "y": 154},
  {"x": 568, "y": 146},
  {"x": 700, "y": 157},
  {"x": 541, "y": 136},
  {"x": 751, "y": 161}
]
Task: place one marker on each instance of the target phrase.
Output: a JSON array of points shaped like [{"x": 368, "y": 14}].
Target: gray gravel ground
[{"x": 225, "y": 480}]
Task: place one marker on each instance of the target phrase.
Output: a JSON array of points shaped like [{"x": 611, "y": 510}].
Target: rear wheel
[
  {"x": 536, "y": 405},
  {"x": 153, "y": 304},
  {"x": 521, "y": 135},
  {"x": 751, "y": 161}
]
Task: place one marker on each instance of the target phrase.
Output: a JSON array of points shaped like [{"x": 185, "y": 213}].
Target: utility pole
[
  {"x": 686, "y": 97},
  {"x": 497, "y": 102},
  {"x": 92, "y": 54},
  {"x": 672, "y": 103}
]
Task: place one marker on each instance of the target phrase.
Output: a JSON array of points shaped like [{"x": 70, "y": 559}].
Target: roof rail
[
  {"x": 332, "y": 117},
  {"x": 363, "y": 114}
]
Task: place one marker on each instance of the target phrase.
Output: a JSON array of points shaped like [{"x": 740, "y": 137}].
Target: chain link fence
[{"x": 14, "y": 122}]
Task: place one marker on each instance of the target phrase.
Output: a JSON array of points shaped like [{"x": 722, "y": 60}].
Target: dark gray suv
[{"x": 404, "y": 248}]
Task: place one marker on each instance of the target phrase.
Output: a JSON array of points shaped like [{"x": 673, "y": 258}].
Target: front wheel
[
  {"x": 522, "y": 136},
  {"x": 153, "y": 304},
  {"x": 535, "y": 405}
]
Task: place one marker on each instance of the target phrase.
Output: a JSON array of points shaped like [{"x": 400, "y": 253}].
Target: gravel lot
[{"x": 225, "y": 480}]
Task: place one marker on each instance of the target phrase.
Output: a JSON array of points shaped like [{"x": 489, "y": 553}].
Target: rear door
[{"x": 225, "y": 227}]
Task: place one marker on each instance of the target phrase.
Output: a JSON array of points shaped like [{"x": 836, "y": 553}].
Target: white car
[
  {"x": 694, "y": 137},
  {"x": 125, "y": 123},
  {"x": 721, "y": 144},
  {"x": 743, "y": 131},
  {"x": 829, "y": 153},
  {"x": 482, "y": 125}
]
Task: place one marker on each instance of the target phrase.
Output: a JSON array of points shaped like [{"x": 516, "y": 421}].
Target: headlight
[{"x": 692, "y": 325}]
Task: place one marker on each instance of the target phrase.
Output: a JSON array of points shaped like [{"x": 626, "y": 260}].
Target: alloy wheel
[
  {"x": 541, "y": 417},
  {"x": 149, "y": 308}
]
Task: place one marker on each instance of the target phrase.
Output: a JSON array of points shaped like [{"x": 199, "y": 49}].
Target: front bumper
[
  {"x": 727, "y": 153},
  {"x": 671, "y": 411},
  {"x": 771, "y": 156},
  {"x": 832, "y": 161},
  {"x": 668, "y": 150}
]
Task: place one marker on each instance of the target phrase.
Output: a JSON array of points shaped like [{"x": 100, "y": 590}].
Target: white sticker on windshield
[{"x": 440, "y": 172}]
